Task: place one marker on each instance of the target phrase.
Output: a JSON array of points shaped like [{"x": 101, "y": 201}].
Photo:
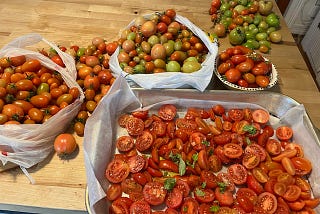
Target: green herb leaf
[
  {"x": 203, "y": 185},
  {"x": 169, "y": 183},
  {"x": 182, "y": 167},
  {"x": 206, "y": 143},
  {"x": 214, "y": 208},
  {"x": 174, "y": 157},
  {"x": 248, "y": 141},
  {"x": 250, "y": 129},
  {"x": 199, "y": 192},
  {"x": 222, "y": 186}
]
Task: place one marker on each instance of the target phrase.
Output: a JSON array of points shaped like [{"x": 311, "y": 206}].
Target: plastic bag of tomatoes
[
  {"x": 197, "y": 153},
  {"x": 164, "y": 52},
  {"x": 31, "y": 114}
]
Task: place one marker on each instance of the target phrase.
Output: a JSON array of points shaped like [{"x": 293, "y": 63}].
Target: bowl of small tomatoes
[{"x": 241, "y": 68}]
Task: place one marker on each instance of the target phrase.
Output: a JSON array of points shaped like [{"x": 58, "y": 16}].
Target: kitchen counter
[{"x": 60, "y": 184}]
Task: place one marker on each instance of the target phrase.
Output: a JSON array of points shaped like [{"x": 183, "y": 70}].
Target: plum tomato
[
  {"x": 65, "y": 144},
  {"x": 233, "y": 75},
  {"x": 31, "y": 65},
  {"x": 262, "y": 81}
]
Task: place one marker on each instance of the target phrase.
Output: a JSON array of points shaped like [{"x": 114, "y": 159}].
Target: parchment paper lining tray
[{"x": 102, "y": 127}]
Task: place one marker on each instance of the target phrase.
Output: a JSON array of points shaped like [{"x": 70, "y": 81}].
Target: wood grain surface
[{"x": 61, "y": 184}]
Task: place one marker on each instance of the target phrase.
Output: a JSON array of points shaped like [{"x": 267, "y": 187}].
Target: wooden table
[{"x": 61, "y": 184}]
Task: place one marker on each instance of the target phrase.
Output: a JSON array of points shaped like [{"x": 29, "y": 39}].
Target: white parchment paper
[
  {"x": 101, "y": 132},
  {"x": 199, "y": 79}
]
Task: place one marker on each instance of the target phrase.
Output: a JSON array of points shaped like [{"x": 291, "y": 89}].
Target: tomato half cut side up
[
  {"x": 167, "y": 112},
  {"x": 284, "y": 133},
  {"x": 125, "y": 143},
  {"x": 117, "y": 170},
  {"x": 154, "y": 193},
  {"x": 260, "y": 116}
]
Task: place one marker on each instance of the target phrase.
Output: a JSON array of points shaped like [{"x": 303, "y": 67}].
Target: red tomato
[
  {"x": 250, "y": 160},
  {"x": 268, "y": 202},
  {"x": 39, "y": 101},
  {"x": 158, "y": 128},
  {"x": 256, "y": 149},
  {"x": 209, "y": 178},
  {"x": 260, "y": 116},
  {"x": 174, "y": 198},
  {"x": 167, "y": 112},
  {"x": 236, "y": 114},
  {"x": 144, "y": 141},
  {"x": 113, "y": 192},
  {"x": 129, "y": 186},
  {"x": 186, "y": 124},
  {"x": 168, "y": 165},
  {"x": 121, "y": 205},
  {"x": 111, "y": 47},
  {"x": 232, "y": 150},
  {"x": 125, "y": 143},
  {"x": 293, "y": 193},
  {"x": 171, "y": 13},
  {"x": 297, "y": 147},
  {"x": 140, "y": 178},
  {"x": 224, "y": 178},
  {"x": 134, "y": 126},
  {"x": 302, "y": 165},
  {"x": 214, "y": 163},
  {"x": 141, "y": 114},
  {"x": 246, "y": 198},
  {"x": 140, "y": 207},
  {"x": 154, "y": 172},
  {"x": 284, "y": 133},
  {"x": 117, "y": 171},
  {"x": 273, "y": 147},
  {"x": 237, "y": 173},
  {"x": 189, "y": 206},
  {"x": 223, "y": 138},
  {"x": 203, "y": 195},
  {"x": 237, "y": 59},
  {"x": 154, "y": 193},
  {"x": 260, "y": 175},
  {"x": 65, "y": 144},
  {"x": 263, "y": 139},
  {"x": 225, "y": 198},
  {"x": 262, "y": 81},
  {"x": 136, "y": 163},
  {"x": 245, "y": 66},
  {"x": 233, "y": 75},
  {"x": 254, "y": 184},
  {"x": 14, "y": 112},
  {"x": 31, "y": 65},
  {"x": 183, "y": 186},
  {"x": 57, "y": 59}
]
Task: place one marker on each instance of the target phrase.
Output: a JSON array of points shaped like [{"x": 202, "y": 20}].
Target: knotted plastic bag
[{"x": 28, "y": 144}]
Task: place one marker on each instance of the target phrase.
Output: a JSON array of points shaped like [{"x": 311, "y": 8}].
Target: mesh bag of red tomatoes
[
  {"x": 188, "y": 155},
  {"x": 30, "y": 123},
  {"x": 164, "y": 51}
]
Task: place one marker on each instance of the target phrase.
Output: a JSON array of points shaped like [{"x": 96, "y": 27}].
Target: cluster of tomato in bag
[
  {"x": 30, "y": 92},
  {"x": 207, "y": 161}
]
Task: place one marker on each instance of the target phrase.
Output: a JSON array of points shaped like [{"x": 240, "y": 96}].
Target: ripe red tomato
[
  {"x": 140, "y": 207},
  {"x": 117, "y": 170},
  {"x": 167, "y": 112},
  {"x": 292, "y": 193},
  {"x": 125, "y": 143},
  {"x": 225, "y": 198},
  {"x": 238, "y": 173},
  {"x": 237, "y": 59},
  {"x": 302, "y": 165},
  {"x": 154, "y": 193},
  {"x": 284, "y": 133},
  {"x": 262, "y": 81},
  {"x": 171, "y": 13},
  {"x": 136, "y": 163},
  {"x": 144, "y": 140},
  {"x": 65, "y": 144},
  {"x": 256, "y": 149},
  {"x": 183, "y": 186},
  {"x": 113, "y": 192},
  {"x": 246, "y": 198},
  {"x": 121, "y": 205},
  {"x": 174, "y": 198},
  {"x": 236, "y": 114},
  {"x": 14, "y": 112},
  {"x": 260, "y": 116},
  {"x": 31, "y": 65},
  {"x": 273, "y": 147},
  {"x": 232, "y": 150},
  {"x": 268, "y": 202},
  {"x": 233, "y": 75},
  {"x": 204, "y": 195},
  {"x": 168, "y": 165},
  {"x": 111, "y": 47},
  {"x": 57, "y": 59},
  {"x": 134, "y": 126},
  {"x": 189, "y": 206}
]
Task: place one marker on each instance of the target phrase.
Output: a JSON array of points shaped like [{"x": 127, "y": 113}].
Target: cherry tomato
[
  {"x": 183, "y": 186},
  {"x": 134, "y": 126},
  {"x": 233, "y": 75},
  {"x": 167, "y": 112},
  {"x": 125, "y": 143},
  {"x": 31, "y": 65},
  {"x": 273, "y": 147},
  {"x": 113, "y": 192},
  {"x": 254, "y": 184},
  {"x": 121, "y": 205},
  {"x": 189, "y": 206},
  {"x": 293, "y": 193},
  {"x": 209, "y": 178},
  {"x": 225, "y": 198},
  {"x": 256, "y": 149},
  {"x": 268, "y": 202},
  {"x": 117, "y": 170},
  {"x": 238, "y": 173},
  {"x": 57, "y": 59},
  {"x": 174, "y": 198},
  {"x": 260, "y": 116},
  {"x": 140, "y": 207},
  {"x": 284, "y": 133},
  {"x": 65, "y": 144},
  {"x": 204, "y": 195},
  {"x": 262, "y": 81},
  {"x": 246, "y": 198},
  {"x": 232, "y": 150},
  {"x": 36, "y": 115},
  {"x": 136, "y": 163},
  {"x": 302, "y": 165},
  {"x": 144, "y": 141},
  {"x": 168, "y": 165},
  {"x": 154, "y": 193}
]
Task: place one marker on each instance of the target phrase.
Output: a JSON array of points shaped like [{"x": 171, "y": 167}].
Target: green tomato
[
  {"x": 257, "y": 19},
  {"x": 261, "y": 36},
  {"x": 237, "y": 36},
  {"x": 43, "y": 87},
  {"x": 273, "y": 20},
  {"x": 177, "y": 45},
  {"x": 139, "y": 69},
  {"x": 250, "y": 35},
  {"x": 255, "y": 44},
  {"x": 191, "y": 59},
  {"x": 123, "y": 65},
  {"x": 131, "y": 36},
  {"x": 190, "y": 66},
  {"x": 169, "y": 47},
  {"x": 224, "y": 7},
  {"x": 270, "y": 30},
  {"x": 251, "y": 27},
  {"x": 152, "y": 40},
  {"x": 243, "y": 2},
  {"x": 227, "y": 13},
  {"x": 248, "y": 45},
  {"x": 263, "y": 26},
  {"x": 80, "y": 52},
  {"x": 248, "y": 19},
  {"x": 173, "y": 66},
  {"x": 239, "y": 8}
]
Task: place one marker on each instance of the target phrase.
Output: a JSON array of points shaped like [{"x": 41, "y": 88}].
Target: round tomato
[
  {"x": 140, "y": 207},
  {"x": 232, "y": 150},
  {"x": 250, "y": 160},
  {"x": 134, "y": 126},
  {"x": 256, "y": 149},
  {"x": 167, "y": 112},
  {"x": 273, "y": 147},
  {"x": 125, "y": 143},
  {"x": 209, "y": 178},
  {"x": 260, "y": 116},
  {"x": 204, "y": 195},
  {"x": 268, "y": 202},
  {"x": 121, "y": 205},
  {"x": 183, "y": 186},
  {"x": 284, "y": 133},
  {"x": 189, "y": 206},
  {"x": 129, "y": 186},
  {"x": 238, "y": 173},
  {"x": 136, "y": 163},
  {"x": 246, "y": 199},
  {"x": 144, "y": 141},
  {"x": 117, "y": 171},
  {"x": 292, "y": 193},
  {"x": 158, "y": 128},
  {"x": 224, "y": 197},
  {"x": 174, "y": 198},
  {"x": 254, "y": 184},
  {"x": 65, "y": 144},
  {"x": 233, "y": 75},
  {"x": 154, "y": 193},
  {"x": 302, "y": 165}
]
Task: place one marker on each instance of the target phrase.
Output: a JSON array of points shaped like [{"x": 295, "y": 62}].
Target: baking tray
[{"x": 277, "y": 104}]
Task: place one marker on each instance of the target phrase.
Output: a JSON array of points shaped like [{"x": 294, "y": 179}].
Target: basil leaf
[
  {"x": 182, "y": 167},
  {"x": 169, "y": 183}
]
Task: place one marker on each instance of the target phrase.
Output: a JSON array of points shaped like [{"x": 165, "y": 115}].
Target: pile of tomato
[
  {"x": 160, "y": 44},
  {"x": 244, "y": 67},
  {"x": 248, "y": 22},
  {"x": 30, "y": 92},
  {"x": 207, "y": 161}
]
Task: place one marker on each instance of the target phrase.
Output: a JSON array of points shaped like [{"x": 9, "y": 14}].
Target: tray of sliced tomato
[{"x": 212, "y": 152}]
